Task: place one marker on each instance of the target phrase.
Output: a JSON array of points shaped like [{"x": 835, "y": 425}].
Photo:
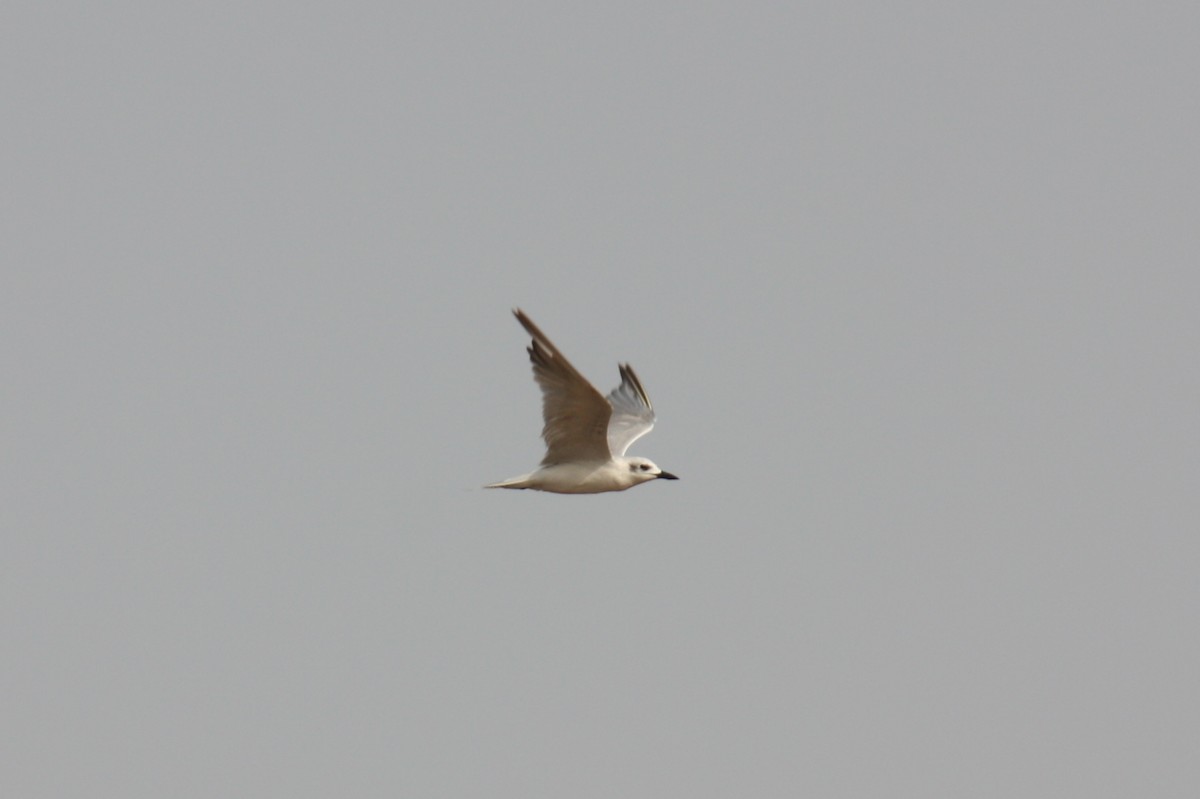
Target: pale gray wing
[
  {"x": 576, "y": 414},
  {"x": 632, "y": 413}
]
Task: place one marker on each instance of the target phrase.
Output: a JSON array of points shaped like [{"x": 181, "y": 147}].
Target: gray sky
[{"x": 914, "y": 289}]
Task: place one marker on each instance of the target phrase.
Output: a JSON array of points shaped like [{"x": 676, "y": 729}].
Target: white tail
[{"x": 512, "y": 482}]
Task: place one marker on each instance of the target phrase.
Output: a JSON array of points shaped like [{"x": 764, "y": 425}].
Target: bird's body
[
  {"x": 575, "y": 478},
  {"x": 586, "y": 433}
]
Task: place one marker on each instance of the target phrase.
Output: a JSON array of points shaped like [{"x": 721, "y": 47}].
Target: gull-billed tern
[{"x": 586, "y": 433}]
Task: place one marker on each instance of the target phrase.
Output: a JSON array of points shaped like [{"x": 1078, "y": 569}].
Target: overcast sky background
[{"x": 914, "y": 288}]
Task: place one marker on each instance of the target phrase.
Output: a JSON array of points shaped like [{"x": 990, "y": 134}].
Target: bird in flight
[{"x": 586, "y": 433}]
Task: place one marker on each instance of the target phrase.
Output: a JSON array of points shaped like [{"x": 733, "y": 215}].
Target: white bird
[{"x": 586, "y": 433}]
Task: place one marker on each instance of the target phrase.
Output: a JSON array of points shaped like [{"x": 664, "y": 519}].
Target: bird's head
[{"x": 644, "y": 469}]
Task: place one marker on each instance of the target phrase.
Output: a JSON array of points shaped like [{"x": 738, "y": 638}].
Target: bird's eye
[{"x": 644, "y": 467}]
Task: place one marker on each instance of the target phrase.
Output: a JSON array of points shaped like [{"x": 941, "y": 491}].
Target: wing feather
[
  {"x": 632, "y": 414},
  {"x": 576, "y": 415}
]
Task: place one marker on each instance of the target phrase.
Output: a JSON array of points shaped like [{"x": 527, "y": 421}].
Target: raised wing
[
  {"x": 576, "y": 414},
  {"x": 632, "y": 413}
]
